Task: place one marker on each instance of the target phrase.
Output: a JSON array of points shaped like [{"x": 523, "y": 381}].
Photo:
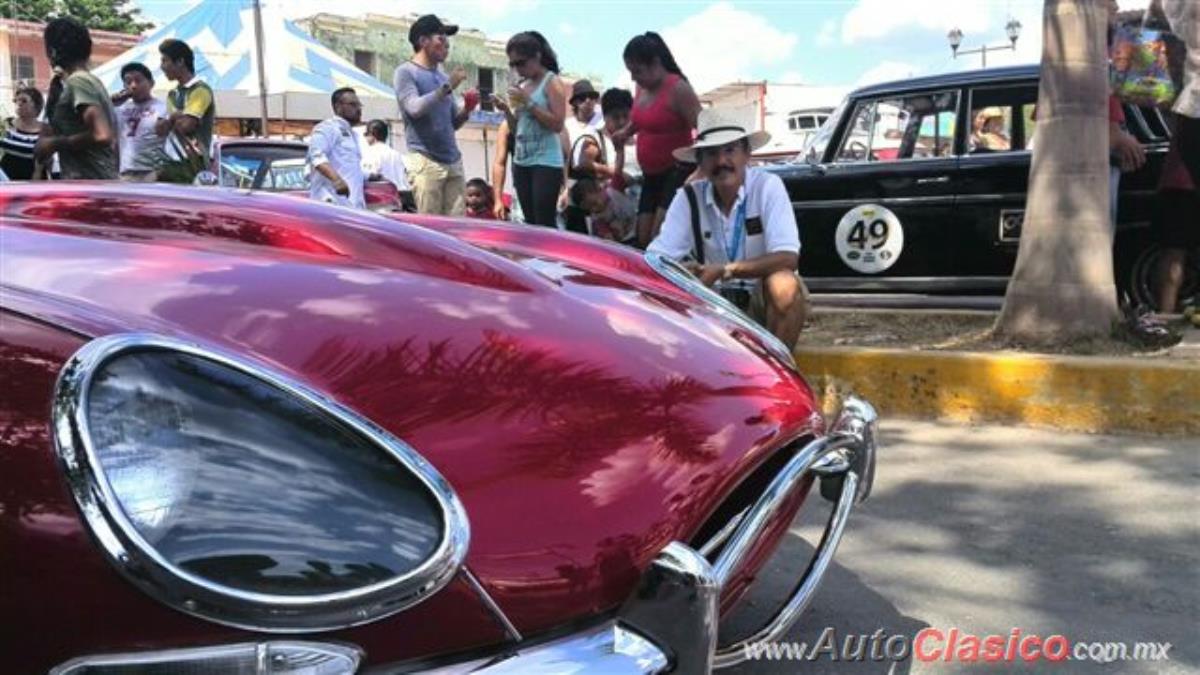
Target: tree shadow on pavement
[
  {"x": 991, "y": 529},
  {"x": 844, "y": 602}
]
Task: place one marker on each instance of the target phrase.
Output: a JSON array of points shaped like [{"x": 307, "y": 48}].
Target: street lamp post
[{"x": 1012, "y": 28}]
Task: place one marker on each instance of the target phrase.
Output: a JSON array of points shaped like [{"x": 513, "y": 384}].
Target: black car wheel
[{"x": 1142, "y": 278}]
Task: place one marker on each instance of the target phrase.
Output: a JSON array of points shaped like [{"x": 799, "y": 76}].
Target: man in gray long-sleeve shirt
[{"x": 426, "y": 98}]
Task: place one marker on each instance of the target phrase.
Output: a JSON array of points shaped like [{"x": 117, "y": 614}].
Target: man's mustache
[{"x": 722, "y": 169}]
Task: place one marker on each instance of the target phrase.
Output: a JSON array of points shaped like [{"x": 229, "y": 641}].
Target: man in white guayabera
[{"x": 735, "y": 229}]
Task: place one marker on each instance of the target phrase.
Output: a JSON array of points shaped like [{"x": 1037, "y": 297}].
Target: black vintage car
[{"x": 919, "y": 187}]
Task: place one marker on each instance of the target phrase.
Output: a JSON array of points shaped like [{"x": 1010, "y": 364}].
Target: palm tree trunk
[{"x": 1062, "y": 286}]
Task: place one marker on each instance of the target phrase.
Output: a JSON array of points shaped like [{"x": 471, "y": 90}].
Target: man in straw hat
[{"x": 749, "y": 243}]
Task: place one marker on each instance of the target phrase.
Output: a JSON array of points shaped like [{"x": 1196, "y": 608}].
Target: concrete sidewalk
[{"x": 1078, "y": 393}]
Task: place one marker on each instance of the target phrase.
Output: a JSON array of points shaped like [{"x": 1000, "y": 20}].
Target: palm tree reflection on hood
[{"x": 572, "y": 412}]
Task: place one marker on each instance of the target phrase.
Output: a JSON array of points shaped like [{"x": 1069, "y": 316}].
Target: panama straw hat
[
  {"x": 716, "y": 127},
  {"x": 988, "y": 113}
]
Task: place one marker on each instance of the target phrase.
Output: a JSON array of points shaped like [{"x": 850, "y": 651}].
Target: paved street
[{"x": 989, "y": 528}]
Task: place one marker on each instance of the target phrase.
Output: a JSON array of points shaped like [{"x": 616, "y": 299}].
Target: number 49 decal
[{"x": 869, "y": 239}]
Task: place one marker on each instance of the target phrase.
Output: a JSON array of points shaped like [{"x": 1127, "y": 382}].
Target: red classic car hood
[{"x": 586, "y": 412}]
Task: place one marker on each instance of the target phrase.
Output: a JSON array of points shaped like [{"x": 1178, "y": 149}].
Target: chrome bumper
[{"x": 669, "y": 624}]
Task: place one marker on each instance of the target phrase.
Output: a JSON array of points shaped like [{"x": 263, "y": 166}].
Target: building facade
[
  {"x": 23, "y": 56},
  {"x": 791, "y": 113},
  {"x": 378, "y": 44}
]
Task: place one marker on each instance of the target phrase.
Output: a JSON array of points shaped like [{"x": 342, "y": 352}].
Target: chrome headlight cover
[
  {"x": 672, "y": 271},
  {"x": 142, "y": 564}
]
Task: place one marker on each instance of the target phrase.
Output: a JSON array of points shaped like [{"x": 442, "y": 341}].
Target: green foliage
[{"x": 113, "y": 15}]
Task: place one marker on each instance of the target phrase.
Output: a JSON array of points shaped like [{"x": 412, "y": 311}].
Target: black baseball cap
[
  {"x": 429, "y": 25},
  {"x": 582, "y": 89}
]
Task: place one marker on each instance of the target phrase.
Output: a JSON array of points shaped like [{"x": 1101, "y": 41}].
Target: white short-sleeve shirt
[
  {"x": 380, "y": 158},
  {"x": 333, "y": 142},
  {"x": 770, "y": 222}
]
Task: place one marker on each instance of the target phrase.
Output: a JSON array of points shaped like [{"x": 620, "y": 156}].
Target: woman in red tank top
[{"x": 663, "y": 119}]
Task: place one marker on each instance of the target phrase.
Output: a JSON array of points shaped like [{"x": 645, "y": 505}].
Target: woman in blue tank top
[{"x": 537, "y": 108}]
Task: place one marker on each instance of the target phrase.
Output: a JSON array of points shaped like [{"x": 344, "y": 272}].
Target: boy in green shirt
[
  {"x": 82, "y": 121},
  {"x": 189, "y": 128}
]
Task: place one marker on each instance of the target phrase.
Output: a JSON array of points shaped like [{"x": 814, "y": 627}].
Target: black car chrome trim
[
  {"x": 675, "y": 273},
  {"x": 1005, "y": 233},
  {"x": 141, "y": 564},
  {"x": 987, "y": 198},
  {"x": 899, "y": 162},
  {"x": 947, "y": 200},
  {"x": 264, "y": 657},
  {"x": 906, "y": 284},
  {"x": 965, "y": 78}
]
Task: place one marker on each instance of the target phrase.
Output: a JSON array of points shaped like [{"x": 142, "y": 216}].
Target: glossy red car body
[{"x": 586, "y": 411}]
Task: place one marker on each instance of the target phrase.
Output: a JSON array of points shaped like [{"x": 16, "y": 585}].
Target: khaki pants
[
  {"x": 139, "y": 176},
  {"x": 754, "y": 302},
  {"x": 437, "y": 188},
  {"x": 758, "y": 300}
]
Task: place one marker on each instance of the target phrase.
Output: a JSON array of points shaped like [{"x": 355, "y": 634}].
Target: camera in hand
[{"x": 735, "y": 292}]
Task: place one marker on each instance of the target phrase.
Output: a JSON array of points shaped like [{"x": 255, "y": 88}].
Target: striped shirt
[{"x": 17, "y": 147}]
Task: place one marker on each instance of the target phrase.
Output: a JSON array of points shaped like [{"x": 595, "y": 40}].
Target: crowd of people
[
  {"x": 695, "y": 198},
  {"x": 78, "y": 131},
  {"x": 733, "y": 225},
  {"x": 566, "y": 161}
]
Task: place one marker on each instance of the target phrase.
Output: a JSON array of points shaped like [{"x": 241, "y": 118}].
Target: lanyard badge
[{"x": 739, "y": 228}]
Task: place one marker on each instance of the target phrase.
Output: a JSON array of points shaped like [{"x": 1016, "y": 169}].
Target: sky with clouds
[{"x": 820, "y": 42}]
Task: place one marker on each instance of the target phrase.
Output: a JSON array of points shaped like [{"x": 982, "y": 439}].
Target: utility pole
[{"x": 262, "y": 67}]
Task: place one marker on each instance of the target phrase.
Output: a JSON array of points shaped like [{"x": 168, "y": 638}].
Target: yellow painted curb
[{"x": 1076, "y": 393}]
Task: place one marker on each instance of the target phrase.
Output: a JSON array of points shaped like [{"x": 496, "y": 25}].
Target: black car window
[
  {"x": 817, "y": 145},
  {"x": 1001, "y": 118},
  {"x": 919, "y": 126},
  {"x": 857, "y": 143}
]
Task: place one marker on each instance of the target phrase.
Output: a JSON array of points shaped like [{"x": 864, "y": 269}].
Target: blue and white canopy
[{"x": 301, "y": 73}]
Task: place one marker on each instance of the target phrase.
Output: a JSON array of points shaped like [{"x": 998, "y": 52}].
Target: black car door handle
[{"x": 939, "y": 179}]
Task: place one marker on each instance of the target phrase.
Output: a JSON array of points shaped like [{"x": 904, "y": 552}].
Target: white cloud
[
  {"x": 827, "y": 36},
  {"x": 790, "y": 77},
  {"x": 459, "y": 11},
  {"x": 874, "y": 19},
  {"x": 888, "y": 70},
  {"x": 883, "y": 22},
  {"x": 703, "y": 45},
  {"x": 566, "y": 28},
  {"x": 353, "y": 307},
  {"x": 492, "y": 8}
]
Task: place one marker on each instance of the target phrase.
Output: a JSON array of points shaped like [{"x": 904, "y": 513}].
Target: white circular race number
[{"x": 869, "y": 239}]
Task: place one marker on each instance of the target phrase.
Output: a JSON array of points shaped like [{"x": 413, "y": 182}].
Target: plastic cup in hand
[
  {"x": 471, "y": 99},
  {"x": 517, "y": 97}
]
